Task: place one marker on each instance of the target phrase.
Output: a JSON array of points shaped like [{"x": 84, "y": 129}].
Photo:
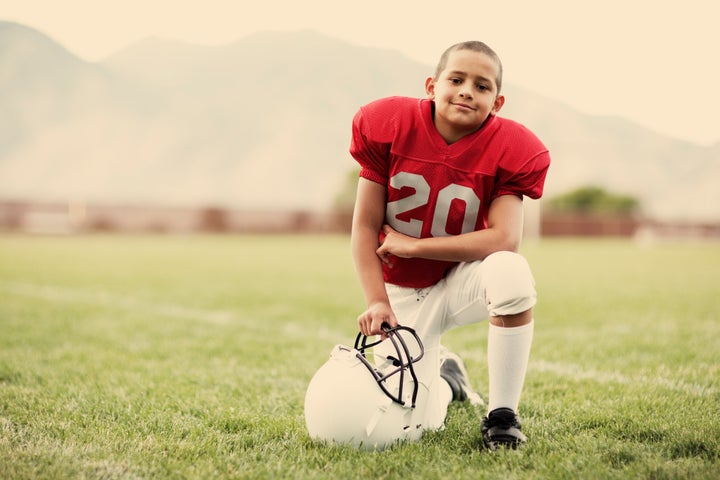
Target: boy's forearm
[
  {"x": 463, "y": 248},
  {"x": 504, "y": 232},
  {"x": 368, "y": 266},
  {"x": 368, "y": 219}
]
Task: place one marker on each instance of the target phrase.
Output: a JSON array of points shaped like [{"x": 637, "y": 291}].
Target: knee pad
[{"x": 509, "y": 284}]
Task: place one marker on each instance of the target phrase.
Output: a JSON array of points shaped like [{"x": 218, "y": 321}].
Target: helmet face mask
[
  {"x": 402, "y": 361},
  {"x": 351, "y": 400}
]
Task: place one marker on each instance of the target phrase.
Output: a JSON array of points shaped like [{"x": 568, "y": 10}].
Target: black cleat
[
  {"x": 453, "y": 371},
  {"x": 501, "y": 428}
]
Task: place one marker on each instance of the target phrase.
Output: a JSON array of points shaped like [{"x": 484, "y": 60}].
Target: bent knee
[{"x": 509, "y": 284}]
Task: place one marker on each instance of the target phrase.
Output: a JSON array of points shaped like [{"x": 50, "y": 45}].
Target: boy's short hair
[{"x": 475, "y": 46}]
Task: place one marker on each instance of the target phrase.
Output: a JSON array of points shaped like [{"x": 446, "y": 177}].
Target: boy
[{"x": 437, "y": 226}]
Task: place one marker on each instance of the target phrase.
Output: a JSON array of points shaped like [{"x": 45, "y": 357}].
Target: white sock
[{"x": 508, "y": 355}]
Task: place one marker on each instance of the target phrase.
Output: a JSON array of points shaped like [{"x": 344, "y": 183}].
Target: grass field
[{"x": 188, "y": 357}]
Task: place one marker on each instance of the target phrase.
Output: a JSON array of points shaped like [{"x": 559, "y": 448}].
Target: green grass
[{"x": 188, "y": 357}]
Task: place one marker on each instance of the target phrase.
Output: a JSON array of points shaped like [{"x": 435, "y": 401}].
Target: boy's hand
[
  {"x": 371, "y": 320},
  {"x": 394, "y": 243}
]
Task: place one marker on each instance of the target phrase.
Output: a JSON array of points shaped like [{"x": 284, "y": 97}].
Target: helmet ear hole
[{"x": 350, "y": 400}]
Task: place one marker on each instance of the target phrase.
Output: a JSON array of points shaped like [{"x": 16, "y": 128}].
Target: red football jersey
[{"x": 435, "y": 189}]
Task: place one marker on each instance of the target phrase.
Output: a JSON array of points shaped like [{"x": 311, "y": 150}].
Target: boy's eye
[
  {"x": 481, "y": 87},
  {"x": 456, "y": 81}
]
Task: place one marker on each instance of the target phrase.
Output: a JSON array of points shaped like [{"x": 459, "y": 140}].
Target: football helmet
[{"x": 369, "y": 405}]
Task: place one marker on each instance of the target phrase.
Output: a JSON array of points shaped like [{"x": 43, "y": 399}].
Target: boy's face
[{"x": 465, "y": 94}]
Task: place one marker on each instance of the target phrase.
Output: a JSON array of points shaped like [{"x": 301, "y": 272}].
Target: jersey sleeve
[
  {"x": 368, "y": 147},
  {"x": 524, "y": 172}
]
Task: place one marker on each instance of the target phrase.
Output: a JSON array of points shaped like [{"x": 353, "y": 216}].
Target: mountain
[
  {"x": 264, "y": 122},
  {"x": 674, "y": 179}
]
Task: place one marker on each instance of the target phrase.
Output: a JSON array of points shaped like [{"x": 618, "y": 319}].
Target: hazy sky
[{"x": 652, "y": 61}]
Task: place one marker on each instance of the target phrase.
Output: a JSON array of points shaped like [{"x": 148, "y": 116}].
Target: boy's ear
[
  {"x": 497, "y": 105},
  {"x": 430, "y": 88}
]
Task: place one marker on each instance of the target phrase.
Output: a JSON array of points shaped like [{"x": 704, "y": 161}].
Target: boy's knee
[{"x": 509, "y": 284}]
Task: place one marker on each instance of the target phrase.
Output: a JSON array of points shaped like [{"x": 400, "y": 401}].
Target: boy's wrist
[
  {"x": 414, "y": 248},
  {"x": 378, "y": 301}
]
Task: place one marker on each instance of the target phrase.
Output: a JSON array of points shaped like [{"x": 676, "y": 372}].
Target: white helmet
[{"x": 351, "y": 401}]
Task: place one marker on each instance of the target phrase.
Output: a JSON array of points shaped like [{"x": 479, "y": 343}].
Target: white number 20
[{"x": 446, "y": 196}]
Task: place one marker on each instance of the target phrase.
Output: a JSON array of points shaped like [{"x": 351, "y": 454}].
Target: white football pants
[{"x": 502, "y": 284}]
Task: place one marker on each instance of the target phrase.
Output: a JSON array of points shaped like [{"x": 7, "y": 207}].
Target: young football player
[{"x": 437, "y": 226}]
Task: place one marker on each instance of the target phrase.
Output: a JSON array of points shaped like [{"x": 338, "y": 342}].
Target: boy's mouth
[{"x": 463, "y": 106}]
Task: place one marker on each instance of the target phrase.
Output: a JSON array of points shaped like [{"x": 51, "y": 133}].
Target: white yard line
[
  {"x": 59, "y": 294},
  {"x": 576, "y": 372},
  {"x": 54, "y": 293}
]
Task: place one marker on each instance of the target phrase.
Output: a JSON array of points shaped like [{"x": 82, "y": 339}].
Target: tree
[{"x": 594, "y": 199}]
